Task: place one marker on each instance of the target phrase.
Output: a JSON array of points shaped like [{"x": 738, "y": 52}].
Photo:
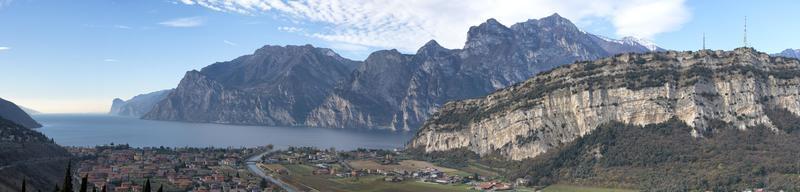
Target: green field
[
  {"x": 300, "y": 176},
  {"x": 572, "y": 188}
]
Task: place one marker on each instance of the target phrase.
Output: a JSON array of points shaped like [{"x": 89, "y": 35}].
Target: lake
[{"x": 97, "y": 129}]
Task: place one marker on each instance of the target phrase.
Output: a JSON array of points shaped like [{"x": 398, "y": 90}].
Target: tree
[
  {"x": 84, "y": 184},
  {"x": 68, "y": 179},
  {"x": 161, "y": 188},
  {"x": 103, "y": 189},
  {"x": 263, "y": 183},
  {"x": 24, "y": 188},
  {"x": 270, "y": 147},
  {"x": 147, "y": 186}
]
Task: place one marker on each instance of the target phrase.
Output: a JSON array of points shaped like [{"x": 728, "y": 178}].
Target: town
[{"x": 123, "y": 168}]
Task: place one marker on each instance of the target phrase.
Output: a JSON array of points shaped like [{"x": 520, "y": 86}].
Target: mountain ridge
[
  {"x": 388, "y": 90},
  {"x": 702, "y": 89}
]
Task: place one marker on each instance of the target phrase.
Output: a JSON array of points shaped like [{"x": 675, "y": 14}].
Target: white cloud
[
  {"x": 184, "y": 22},
  {"x": 229, "y": 43},
  {"x": 408, "y": 24},
  {"x": 122, "y": 27},
  {"x": 4, "y": 48},
  {"x": 110, "y": 60},
  {"x": 291, "y": 29}
]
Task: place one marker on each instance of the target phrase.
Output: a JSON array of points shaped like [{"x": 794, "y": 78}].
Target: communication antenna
[
  {"x": 704, "y": 41},
  {"x": 745, "y": 31}
]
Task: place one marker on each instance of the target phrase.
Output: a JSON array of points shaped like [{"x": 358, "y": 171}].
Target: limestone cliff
[{"x": 702, "y": 89}]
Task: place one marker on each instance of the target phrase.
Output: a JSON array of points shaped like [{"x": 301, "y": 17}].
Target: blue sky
[{"x": 76, "y": 56}]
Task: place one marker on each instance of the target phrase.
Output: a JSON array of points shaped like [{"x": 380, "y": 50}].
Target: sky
[{"x": 76, "y": 56}]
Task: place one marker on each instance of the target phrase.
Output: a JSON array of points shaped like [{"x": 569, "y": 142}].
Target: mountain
[
  {"x": 668, "y": 119},
  {"x": 701, "y": 89},
  {"x": 399, "y": 91},
  {"x": 276, "y": 85},
  {"x": 138, "y": 105},
  {"x": 29, "y": 111},
  {"x": 14, "y": 113},
  {"x": 304, "y": 85},
  {"x": 793, "y": 53},
  {"x": 28, "y": 154}
]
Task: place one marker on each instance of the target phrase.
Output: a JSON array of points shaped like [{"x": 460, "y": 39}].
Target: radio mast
[
  {"x": 745, "y": 31},
  {"x": 704, "y": 41}
]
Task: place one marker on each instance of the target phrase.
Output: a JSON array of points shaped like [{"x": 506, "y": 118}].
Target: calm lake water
[{"x": 92, "y": 130}]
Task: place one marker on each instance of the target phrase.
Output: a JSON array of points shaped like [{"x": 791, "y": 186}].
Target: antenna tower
[{"x": 745, "y": 31}]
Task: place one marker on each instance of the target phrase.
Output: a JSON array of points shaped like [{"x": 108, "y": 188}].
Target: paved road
[{"x": 251, "y": 165}]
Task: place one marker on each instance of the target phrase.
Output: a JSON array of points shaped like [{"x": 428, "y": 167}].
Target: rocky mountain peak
[
  {"x": 555, "y": 20},
  {"x": 431, "y": 47},
  {"x": 488, "y": 33}
]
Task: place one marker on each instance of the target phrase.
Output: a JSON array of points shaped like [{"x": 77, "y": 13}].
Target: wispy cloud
[
  {"x": 229, "y": 43},
  {"x": 290, "y": 29},
  {"x": 110, "y": 60},
  {"x": 410, "y": 23},
  {"x": 184, "y": 22},
  {"x": 4, "y": 48},
  {"x": 122, "y": 27}
]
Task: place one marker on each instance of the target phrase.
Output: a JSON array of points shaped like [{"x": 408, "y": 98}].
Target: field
[
  {"x": 573, "y": 188},
  {"x": 405, "y": 165},
  {"x": 301, "y": 176}
]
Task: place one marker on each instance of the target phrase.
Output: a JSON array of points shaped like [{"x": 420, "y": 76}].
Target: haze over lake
[{"x": 98, "y": 129}]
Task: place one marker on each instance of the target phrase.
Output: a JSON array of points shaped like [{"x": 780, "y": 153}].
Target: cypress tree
[
  {"x": 84, "y": 184},
  {"x": 24, "y": 188},
  {"x": 103, "y": 189},
  {"x": 147, "y": 186},
  {"x": 161, "y": 188},
  {"x": 94, "y": 189},
  {"x": 68, "y": 179}
]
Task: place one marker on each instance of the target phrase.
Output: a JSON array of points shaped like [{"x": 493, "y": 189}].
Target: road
[{"x": 253, "y": 167}]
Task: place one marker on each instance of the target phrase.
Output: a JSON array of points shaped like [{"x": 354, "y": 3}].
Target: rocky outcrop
[
  {"x": 398, "y": 91},
  {"x": 703, "y": 89},
  {"x": 274, "y": 86},
  {"x": 14, "y": 113},
  {"x": 138, "y": 105}
]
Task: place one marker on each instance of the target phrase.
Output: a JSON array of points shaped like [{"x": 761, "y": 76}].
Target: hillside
[
  {"x": 14, "y": 113},
  {"x": 28, "y": 154}
]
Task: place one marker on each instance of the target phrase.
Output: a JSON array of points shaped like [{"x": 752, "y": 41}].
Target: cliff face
[
  {"x": 703, "y": 89},
  {"x": 396, "y": 91},
  {"x": 273, "y": 86},
  {"x": 14, "y": 113},
  {"x": 138, "y": 105}
]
